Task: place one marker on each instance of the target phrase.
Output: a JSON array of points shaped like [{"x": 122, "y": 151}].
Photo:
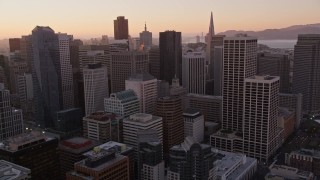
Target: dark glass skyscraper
[
  {"x": 121, "y": 29},
  {"x": 170, "y": 56},
  {"x": 45, "y": 67},
  {"x": 306, "y": 72}
]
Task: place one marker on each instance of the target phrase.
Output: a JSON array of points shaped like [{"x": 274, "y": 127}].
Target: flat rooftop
[
  {"x": 142, "y": 118},
  {"x": 102, "y": 116},
  {"x": 12, "y": 171},
  {"x": 111, "y": 145},
  {"x": 204, "y": 96},
  {"x": 12, "y": 144},
  {"x": 77, "y": 145},
  {"x": 230, "y": 161}
]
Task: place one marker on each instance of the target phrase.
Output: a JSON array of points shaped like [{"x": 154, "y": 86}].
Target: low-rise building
[
  {"x": 11, "y": 171},
  {"x": 304, "y": 159},
  {"x": 101, "y": 164},
  {"x": 71, "y": 151},
  {"x": 280, "y": 172},
  {"x": 234, "y": 166}
]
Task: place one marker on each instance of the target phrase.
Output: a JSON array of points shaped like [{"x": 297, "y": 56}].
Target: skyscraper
[
  {"x": 95, "y": 80},
  {"x": 170, "y": 55},
  {"x": 170, "y": 109},
  {"x": 26, "y": 50},
  {"x": 191, "y": 160},
  {"x": 45, "y": 74},
  {"x": 123, "y": 65},
  {"x": 123, "y": 103},
  {"x": 121, "y": 29},
  {"x": 146, "y": 38},
  {"x": 140, "y": 121},
  {"x": 154, "y": 61},
  {"x": 261, "y": 136},
  {"x": 65, "y": 71},
  {"x": 146, "y": 88},
  {"x": 14, "y": 44},
  {"x": 240, "y": 56},
  {"x": 11, "y": 121},
  {"x": 102, "y": 126},
  {"x": 306, "y": 72},
  {"x": 193, "y": 72},
  {"x": 275, "y": 65},
  {"x": 150, "y": 163},
  {"x": 193, "y": 124}
]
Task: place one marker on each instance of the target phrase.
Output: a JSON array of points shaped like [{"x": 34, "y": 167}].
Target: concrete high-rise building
[
  {"x": 140, "y": 121},
  {"x": 170, "y": 109},
  {"x": 104, "y": 40},
  {"x": 45, "y": 74},
  {"x": 11, "y": 121},
  {"x": 170, "y": 55},
  {"x": 18, "y": 67},
  {"x": 103, "y": 127},
  {"x": 92, "y": 54},
  {"x": 209, "y": 106},
  {"x": 78, "y": 95},
  {"x": 95, "y": 80},
  {"x": 154, "y": 61},
  {"x": 65, "y": 71},
  {"x": 14, "y": 44},
  {"x": 35, "y": 151},
  {"x": 193, "y": 72},
  {"x": 121, "y": 28},
  {"x": 123, "y": 65},
  {"x": 275, "y": 65},
  {"x": 25, "y": 91},
  {"x": 150, "y": 163},
  {"x": 26, "y": 50},
  {"x": 193, "y": 124},
  {"x": 261, "y": 135},
  {"x": 123, "y": 103},
  {"x": 146, "y": 38},
  {"x": 239, "y": 62},
  {"x": 101, "y": 164},
  {"x": 71, "y": 151},
  {"x": 306, "y": 70},
  {"x": 191, "y": 160},
  {"x": 145, "y": 87}
]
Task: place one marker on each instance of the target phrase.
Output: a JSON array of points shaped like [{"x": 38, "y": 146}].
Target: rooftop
[
  {"x": 16, "y": 142},
  {"x": 204, "y": 96},
  {"x": 288, "y": 172},
  {"x": 141, "y": 77},
  {"x": 191, "y": 112},
  {"x": 186, "y": 145},
  {"x": 233, "y": 165},
  {"x": 12, "y": 171},
  {"x": 125, "y": 96},
  {"x": 112, "y": 146},
  {"x": 141, "y": 118},
  {"x": 102, "y": 116},
  {"x": 77, "y": 144}
]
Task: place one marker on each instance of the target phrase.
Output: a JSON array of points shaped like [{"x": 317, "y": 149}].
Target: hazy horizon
[{"x": 89, "y": 20}]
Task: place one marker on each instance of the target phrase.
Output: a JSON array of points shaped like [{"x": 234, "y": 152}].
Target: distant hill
[{"x": 283, "y": 33}]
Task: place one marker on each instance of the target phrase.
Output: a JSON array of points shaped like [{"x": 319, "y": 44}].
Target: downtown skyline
[{"x": 89, "y": 19}]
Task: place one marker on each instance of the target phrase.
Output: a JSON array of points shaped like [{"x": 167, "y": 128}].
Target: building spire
[
  {"x": 145, "y": 26},
  {"x": 211, "y": 27}
]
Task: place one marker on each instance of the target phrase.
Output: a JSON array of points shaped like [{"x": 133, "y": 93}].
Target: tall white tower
[
  {"x": 146, "y": 88},
  {"x": 95, "y": 80},
  {"x": 260, "y": 118}
]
